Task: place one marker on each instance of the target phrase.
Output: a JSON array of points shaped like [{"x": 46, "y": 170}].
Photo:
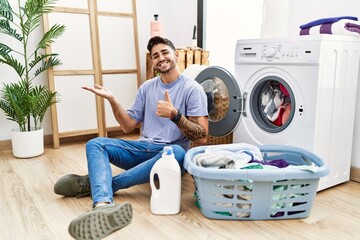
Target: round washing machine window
[
  {"x": 218, "y": 98},
  {"x": 224, "y": 96},
  {"x": 272, "y": 104}
]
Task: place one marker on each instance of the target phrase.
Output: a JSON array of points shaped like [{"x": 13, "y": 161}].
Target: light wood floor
[{"x": 30, "y": 210}]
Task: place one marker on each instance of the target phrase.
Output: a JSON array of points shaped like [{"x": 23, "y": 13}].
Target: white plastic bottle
[
  {"x": 156, "y": 27},
  {"x": 165, "y": 197}
]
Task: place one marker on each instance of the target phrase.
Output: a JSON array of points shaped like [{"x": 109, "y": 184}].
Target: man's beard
[{"x": 166, "y": 70}]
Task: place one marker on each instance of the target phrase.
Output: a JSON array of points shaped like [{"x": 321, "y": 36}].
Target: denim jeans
[{"x": 135, "y": 157}]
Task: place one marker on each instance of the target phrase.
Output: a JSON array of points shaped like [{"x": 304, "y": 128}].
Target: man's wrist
[{"x": 175, "y": 116}]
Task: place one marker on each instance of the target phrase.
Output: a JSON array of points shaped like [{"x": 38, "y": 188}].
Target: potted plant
[{"x": 22, "y": 101}]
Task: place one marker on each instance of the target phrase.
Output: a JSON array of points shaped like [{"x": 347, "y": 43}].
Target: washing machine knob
[{"x": 270, "y": 52}]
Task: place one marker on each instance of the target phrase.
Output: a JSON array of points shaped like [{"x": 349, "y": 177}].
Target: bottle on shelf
[{"x": 156, "y": 27}]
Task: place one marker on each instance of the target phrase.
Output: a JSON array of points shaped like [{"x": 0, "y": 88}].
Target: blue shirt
[{"x": 186, "y": 95}]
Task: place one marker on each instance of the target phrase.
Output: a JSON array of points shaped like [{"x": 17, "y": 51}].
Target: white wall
[
  {"x": 227, "y": 21},
  {"x": 283, "y": 17}
]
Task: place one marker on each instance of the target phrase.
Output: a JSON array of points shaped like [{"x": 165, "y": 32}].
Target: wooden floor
[{"x": 29, "y": 209}]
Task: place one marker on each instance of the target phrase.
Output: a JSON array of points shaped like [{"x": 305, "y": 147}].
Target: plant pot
[{"x": 27, "y": 144}]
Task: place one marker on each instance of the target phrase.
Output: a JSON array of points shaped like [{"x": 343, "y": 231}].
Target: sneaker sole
[{"x": 97, "y": 224}]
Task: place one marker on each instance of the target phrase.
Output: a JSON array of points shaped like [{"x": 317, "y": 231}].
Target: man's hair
[{"x": 158, "y": 40}]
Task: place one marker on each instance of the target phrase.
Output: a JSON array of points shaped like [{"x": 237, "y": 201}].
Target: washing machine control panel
[
  {"x": 277, "y": 52},
  {"x": 290, "y": 52},
  {"x": 269, "y": 52}
]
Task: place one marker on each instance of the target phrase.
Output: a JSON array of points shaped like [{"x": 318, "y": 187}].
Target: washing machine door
[{"x": 224, "y": 100}]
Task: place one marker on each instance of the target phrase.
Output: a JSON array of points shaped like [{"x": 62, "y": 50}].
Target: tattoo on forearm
[{"x": 191, "y": 128}]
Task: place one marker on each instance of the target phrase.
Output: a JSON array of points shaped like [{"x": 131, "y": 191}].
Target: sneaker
[
  {"x": 73, "y": 185},
  {"x": 101, "y": 221}
]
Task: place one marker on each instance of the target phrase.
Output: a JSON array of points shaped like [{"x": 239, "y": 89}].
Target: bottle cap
[
  {"x": 168, "y": 150},
  {"x": 156, "y": 16}
]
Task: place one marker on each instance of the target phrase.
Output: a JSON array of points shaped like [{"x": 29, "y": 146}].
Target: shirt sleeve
[
  {"x": 136, "y": 110},
  {"x": 197, "y": 102}
]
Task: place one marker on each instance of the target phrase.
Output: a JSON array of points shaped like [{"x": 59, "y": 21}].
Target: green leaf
[
  {"x": 38, "y": 7},
  {"x": 51, "y": 62},
  {"x": 14, "y": 103},
  {"x": 39, "y": 58},
  {"x": 40, "y": 100},
  {"x": 4, "y": 50},
  {"x": 5, "y": 10},
  {"x": 14, "y": 63},
  {"x": 48, "y": 37},
  {"x": 6, "y": 28}
]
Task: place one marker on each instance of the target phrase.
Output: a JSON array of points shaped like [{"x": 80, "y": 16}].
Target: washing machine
[{"x": 298, "y": 91}]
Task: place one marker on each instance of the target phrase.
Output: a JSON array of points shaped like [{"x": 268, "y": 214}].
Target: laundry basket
[{"x": 257, "y": 194}]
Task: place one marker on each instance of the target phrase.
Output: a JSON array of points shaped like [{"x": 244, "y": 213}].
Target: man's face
[{"x": 163, "y": 57}]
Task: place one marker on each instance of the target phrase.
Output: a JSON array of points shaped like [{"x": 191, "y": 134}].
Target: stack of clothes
[{"x": 344, "y": 25}]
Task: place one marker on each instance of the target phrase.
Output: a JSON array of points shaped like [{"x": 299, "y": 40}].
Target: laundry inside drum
[
  {"x": 218, "y": 98},
  {"x": 275, "y": 103}
]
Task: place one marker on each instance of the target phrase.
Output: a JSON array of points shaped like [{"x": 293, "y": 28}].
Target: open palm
[{"x": 100, "y": 91}]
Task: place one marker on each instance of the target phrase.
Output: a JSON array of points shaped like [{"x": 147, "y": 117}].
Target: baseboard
[
  {"x": 355, "y": 174},
  {"x": 6, "y": 144},
  {"x": 48, "y": 139}
]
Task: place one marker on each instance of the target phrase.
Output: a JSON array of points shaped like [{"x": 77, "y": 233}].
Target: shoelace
[{"x": 84, "y": 188}]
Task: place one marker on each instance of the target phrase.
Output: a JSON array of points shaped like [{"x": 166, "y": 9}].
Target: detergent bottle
[{"x": 165, "y": 196}]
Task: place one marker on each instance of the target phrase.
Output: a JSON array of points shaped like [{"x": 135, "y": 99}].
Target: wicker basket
[{"x": 216, "y": 140}]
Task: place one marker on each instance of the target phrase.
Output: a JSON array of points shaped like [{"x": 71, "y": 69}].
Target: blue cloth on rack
[{"x": 326, "y": 20}]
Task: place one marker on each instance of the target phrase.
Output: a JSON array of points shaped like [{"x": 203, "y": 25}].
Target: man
[{"x": 173, "y": 111}]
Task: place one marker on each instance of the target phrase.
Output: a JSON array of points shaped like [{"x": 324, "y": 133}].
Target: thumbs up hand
[{"x": 165, "y": 107}]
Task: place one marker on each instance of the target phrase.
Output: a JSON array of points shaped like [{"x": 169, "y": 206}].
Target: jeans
[{"x": 136, "y": 157}]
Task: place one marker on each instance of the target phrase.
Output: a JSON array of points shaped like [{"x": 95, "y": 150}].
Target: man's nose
[{"x": 161, "y": 57}]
